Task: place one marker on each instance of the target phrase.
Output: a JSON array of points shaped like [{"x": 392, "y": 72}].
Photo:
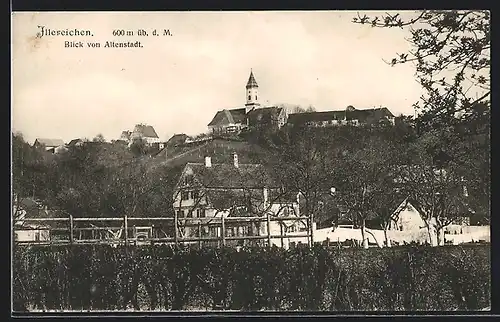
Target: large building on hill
[
  {"x": 349, "y": 116},
  {"x": 251, "y": 115},
  {"x": 143, "y": 131}
]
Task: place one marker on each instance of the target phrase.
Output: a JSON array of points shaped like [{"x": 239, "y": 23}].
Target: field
[{"x": 301, "y": 279}]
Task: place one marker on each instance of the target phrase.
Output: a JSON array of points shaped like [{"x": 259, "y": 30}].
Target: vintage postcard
[{"x": 269, "y": 161}]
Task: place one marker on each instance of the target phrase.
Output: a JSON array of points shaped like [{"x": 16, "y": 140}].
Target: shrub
[{"x": 317, "y": 279}]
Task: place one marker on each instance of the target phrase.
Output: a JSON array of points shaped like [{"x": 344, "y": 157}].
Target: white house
[
  {"x": 141, "y": 131},
  {"x": 32, "y": 233},
  {"x": 408, "y": 226},
  {"x": 407, "y": 218}
]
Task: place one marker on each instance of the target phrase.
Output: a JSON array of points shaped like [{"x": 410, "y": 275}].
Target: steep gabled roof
[
  {"x": 227, "y": 176},
  {"x": 374, "y": 114},
  {"x": 365, "y": 115},
  {"x": 264, "y": 115},
  {"x": 177, "y": 139},
  {"x": 226, "y": 117},
  {"x": 74, "y": 142},
  {"x": 229, "y": 116},
  {"x": 296, "y": 118},
  {"x": 49, "y": 142},
  {"x": 146, "y": 131}
]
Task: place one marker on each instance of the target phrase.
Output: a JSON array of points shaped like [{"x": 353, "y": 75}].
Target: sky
[{"x": 177, "y": 83}]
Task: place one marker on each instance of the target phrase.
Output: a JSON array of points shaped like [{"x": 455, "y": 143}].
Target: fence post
[
  {"x": 223, "y": 231},
  {"x": 312, "y": 229},
  {"x": 134, "y": 235},
  {"x": 176, "y": 229},
  {"x": 269, "y": 229},
  {"x": 125, "y": 226},
  {"x": 71, "y": 238},
  {"x": 199, "y": 234},
  {"x": 281, "y": 233}
]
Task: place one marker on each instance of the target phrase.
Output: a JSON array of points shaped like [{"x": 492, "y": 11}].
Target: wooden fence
[{"x": 67, "y": 228}]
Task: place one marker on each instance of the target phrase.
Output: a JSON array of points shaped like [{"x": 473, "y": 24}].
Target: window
[
  {"x": 255, "y": 97},
  {"x": 249, "y": 97},
  {"x": 185, "y": 195},
  {"x": 180, "y": 213},
  {"x": 200, "y": 213},
  {"x": 189, "y": 214},
  {"x": 195, "y": 195}
]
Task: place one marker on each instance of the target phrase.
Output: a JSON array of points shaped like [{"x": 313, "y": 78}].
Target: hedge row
[{"x": 317, "y": 279}]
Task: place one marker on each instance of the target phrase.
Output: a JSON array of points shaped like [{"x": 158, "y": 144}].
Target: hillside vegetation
[{"x": 358, "y": 174}]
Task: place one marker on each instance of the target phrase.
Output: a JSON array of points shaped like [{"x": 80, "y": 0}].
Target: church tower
[{"x": 252, "y": 92}]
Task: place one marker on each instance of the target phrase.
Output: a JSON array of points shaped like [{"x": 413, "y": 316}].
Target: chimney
[
  {"x": 208, "y": 162},
  {"x": 235, "y": 159}
]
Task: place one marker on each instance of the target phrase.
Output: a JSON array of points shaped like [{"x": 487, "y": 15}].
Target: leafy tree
[
  {"x": 77, "y": 181},
  {"x": 30, "y": 168},
  {"x": 99, "y": 138},
  {"x": 472, "y": 152},
  {"x": 138, "y": 146},
  {"x": 451, "y": 50},
  {"x": 292, "y": 108},
  {"x": 20, "y": 152}
]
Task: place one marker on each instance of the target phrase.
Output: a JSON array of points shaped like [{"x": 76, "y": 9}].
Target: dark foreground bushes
[{"x": 158, "y": 277}]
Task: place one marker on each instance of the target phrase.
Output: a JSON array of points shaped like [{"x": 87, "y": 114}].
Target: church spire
[
  {"x": 252, "y": 90},
  {"x": 251, "y": 81}
]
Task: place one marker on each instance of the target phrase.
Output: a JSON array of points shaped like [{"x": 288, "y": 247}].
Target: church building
[{"x": 251, "y": 115}]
